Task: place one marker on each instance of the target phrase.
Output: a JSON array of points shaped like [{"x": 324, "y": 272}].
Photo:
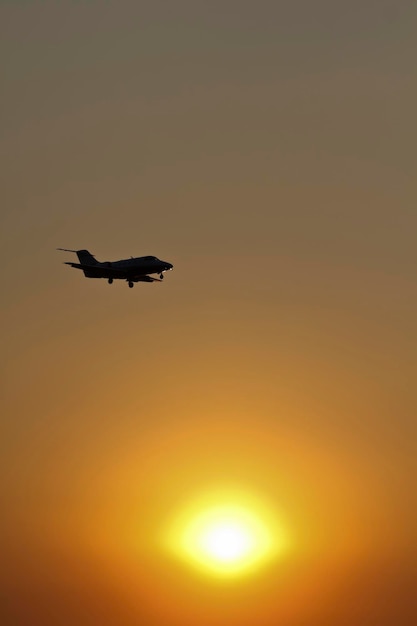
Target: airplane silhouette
[{"x": 133, "y": 270}]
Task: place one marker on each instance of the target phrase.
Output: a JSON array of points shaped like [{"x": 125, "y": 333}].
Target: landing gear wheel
[
  {"x": 130, "y": 284},
  {"x": 110, "y": 281},
  {"x": 161, "y": 276}
]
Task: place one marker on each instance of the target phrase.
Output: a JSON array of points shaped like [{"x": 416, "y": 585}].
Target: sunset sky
[{"x": 268, "y": 150}]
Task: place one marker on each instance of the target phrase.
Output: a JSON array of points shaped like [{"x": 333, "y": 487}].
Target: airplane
[{"x": 133, "y": 270}]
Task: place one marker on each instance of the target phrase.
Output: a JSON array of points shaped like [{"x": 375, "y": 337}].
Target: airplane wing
[
  {"x": 98, "y": 270},
  {"x": 144, "y": 279}
]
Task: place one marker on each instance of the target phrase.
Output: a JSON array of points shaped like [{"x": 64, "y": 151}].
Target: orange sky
[{"x": 267, "y": 150}]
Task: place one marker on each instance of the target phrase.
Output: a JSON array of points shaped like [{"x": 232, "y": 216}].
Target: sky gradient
[{"x": 268, "y": 151}]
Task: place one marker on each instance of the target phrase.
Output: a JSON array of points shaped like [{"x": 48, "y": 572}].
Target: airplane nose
[{"x": 169, "y": 266}]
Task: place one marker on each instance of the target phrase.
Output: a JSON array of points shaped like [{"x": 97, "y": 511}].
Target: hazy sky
[{"x": 268, "y": 150}]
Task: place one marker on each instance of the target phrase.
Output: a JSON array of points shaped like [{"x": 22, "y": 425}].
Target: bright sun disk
[{"x": 226, "y": 539}]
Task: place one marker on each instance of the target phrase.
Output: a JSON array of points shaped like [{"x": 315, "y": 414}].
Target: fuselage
[
  {"x": 128, "y": 269},
  {"x": 141, "y": 265}
]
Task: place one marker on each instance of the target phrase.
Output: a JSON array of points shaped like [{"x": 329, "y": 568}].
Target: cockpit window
[{"x": 150, "y": 258}]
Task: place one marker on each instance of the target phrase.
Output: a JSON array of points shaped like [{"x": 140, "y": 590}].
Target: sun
[
  {"x": 226, "y": 540},
  {"x": 226, "y": 535}
]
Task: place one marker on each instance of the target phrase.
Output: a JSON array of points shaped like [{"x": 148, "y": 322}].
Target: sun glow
[{"x": 226, "y": 536}]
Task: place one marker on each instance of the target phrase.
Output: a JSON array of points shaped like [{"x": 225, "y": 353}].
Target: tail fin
[{"x": 85, "y": 257}]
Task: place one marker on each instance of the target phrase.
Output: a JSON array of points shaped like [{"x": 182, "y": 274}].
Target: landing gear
[
  {"x": 130, "y": 284},
  {"x": 110, "y": 281},
  {"x": 161, "y": 276}
]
